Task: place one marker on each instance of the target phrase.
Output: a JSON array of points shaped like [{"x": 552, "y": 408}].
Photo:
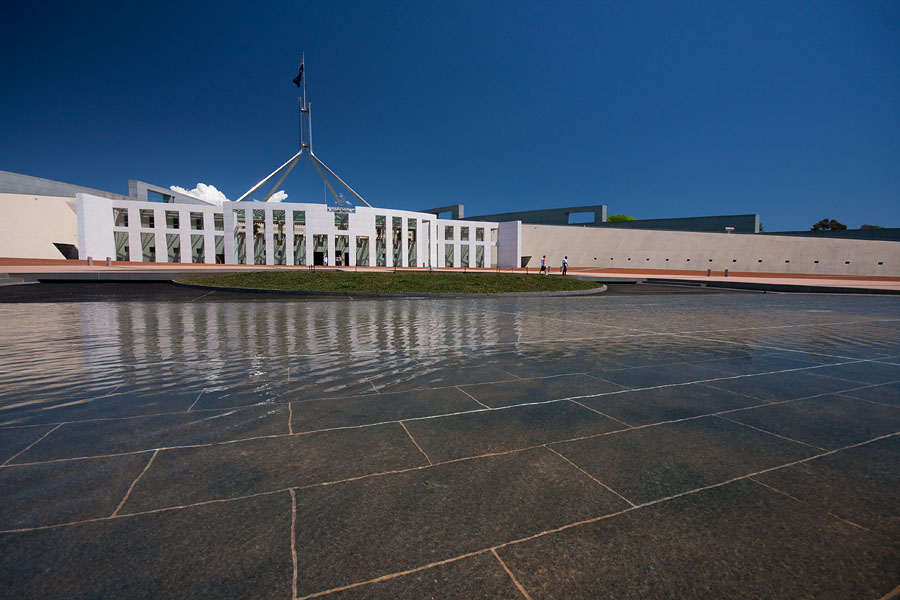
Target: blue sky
[{"x": 657, "y": 109}]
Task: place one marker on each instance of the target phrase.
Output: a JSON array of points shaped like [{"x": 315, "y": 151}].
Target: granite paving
[{"x": 646, "y": 445}]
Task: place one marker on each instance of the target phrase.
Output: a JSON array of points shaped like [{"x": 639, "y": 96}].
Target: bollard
[
  {"x": 726, "y": 272},
  {"x": 709, "y": 272},
  {"x": 108, "y": 261},
  {"x": 90, "y": 261}
]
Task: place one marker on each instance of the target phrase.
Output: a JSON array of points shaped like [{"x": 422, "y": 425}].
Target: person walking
[
  {"x": 544, "y": 264},
  {"x": 565, "y": 265}
]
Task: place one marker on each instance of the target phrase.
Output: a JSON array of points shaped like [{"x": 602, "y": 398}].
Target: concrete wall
[
  {"x": 676, "y": 250},
  {"x": 30, "y": 224},
  {"x": 16, "y": 183}
]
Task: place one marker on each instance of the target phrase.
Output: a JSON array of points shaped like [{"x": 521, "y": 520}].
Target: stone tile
[
  {"x": 644, "y": 377},
  {"x": 539, "y": 390},
  {"x": 105, "y": 407},
  {"x": 765, "y": 363},
  {"x": 656, "y": 462},
  {"x": 740, "y": 540},
  {"x": 499, "y": 430},
  {"x": 16, "y": 439},
  {"x": 643, "y": 407},
  {"x": 539, "y": 364},
  {"x": 250, "y": 467},
  {"x": 239, "y": 549},
  {"x": 863, "y": 372},
  {"x": 828, "y": 422},
  {"x": 860, "y": 484},
  {"x": 888, "y": 393},
  {"x": 425, "y": 516},
  {"x": 479, "y": 576},
  {"x": 93, "y": 438},
  {"x": 62, "y": 492},
  {"x": 378, "y": 408},
  {"x": 448, "y": 376},
  {"x": 775, "y": 387}
]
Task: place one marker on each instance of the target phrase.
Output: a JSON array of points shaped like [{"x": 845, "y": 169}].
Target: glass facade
[
  {"x": 362, "y": 251},
  {"x": 411, "y": 243},
  {"x": 120, "y": 217},
  {"x": 148, "y": 247},
  {"x": 147, "y": 219},
  {"x": 240, "y": 238},
  {"x": 397, "y": 240},
  {"x": 380, "y": 241},
  {"x": 197, "y": 251},
  {"x": 173, "y": 247},
  {"x": 121, "y": 238},
  {"x": 259, "y": 237}
]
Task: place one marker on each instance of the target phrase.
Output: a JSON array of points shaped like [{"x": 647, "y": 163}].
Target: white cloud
[
  {"x": 207, "y": 193},
  {"x": 279, "y": 196}
]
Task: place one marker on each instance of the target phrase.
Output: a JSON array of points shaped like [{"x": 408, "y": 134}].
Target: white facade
[{"x": 282, "y": 234}]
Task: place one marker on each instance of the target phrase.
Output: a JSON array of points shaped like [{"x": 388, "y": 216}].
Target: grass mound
[{"x": 392, "y": 283}]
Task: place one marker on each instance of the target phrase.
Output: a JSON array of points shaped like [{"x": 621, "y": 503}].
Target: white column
[
  {"x": 404, "y": 241},
  {"x": 230, "y": 227},
  {"x": 209, "y": 239}
]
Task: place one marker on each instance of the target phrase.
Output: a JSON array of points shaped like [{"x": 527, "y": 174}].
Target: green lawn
[{"x": 392, "y": 283}]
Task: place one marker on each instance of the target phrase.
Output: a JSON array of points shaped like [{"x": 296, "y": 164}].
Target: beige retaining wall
[
  {"x": 31, "y": 224},
  {"x": 677, "y": 250}
]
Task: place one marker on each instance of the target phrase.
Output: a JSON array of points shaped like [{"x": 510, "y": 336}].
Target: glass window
[
  {"x": 259, "y": 237},
  {"x": 173, "y": 247},
  {"x": 121, "y": 245},
  {"x": 279, "y": 237},
  {"x": 362, "y": 251},
  {"x": 448, "y": 255},
  {"x": 197, "y": 221},
  {"x": 320, "y": 249},
  {"x": 147, "y": 218},
  {"x": 172, "y": 220},
  {"x": 448, "y": 232},
  {"x": 120, "y": 217},
  {"x": 148, "y": 247},
  {"x": 299, "y": 248},
  {"x": 479, "y": 234},
  {"x": 341, "y": 221},
  {"x": 197, "y": 253},
  {"x": 220, "y": 249},
  {"x": 380, "y": 241},
  {"x": 341, "y": 250},
  {"x": 411, "y": 245},
  {"x": 219, "y": 222},
  {"x": 479, "y": 256},
  {"x": 299, "y": 217},
  {"x": 396, "y": 241},
  {"x": 240, "y": 238},
  {"x": 493, "y": 235},
  {"x": 464, "y": 234},
  {"x": 464, "y": 255}
]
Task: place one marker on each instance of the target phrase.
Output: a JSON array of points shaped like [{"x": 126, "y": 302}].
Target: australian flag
[{"x": 299, "y": 76}]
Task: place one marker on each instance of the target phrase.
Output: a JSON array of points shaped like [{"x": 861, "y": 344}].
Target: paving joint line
[
  {"x": 134, "y": 483},
  {"x": 30, "y": 446},
  {"x": 511, "y": 576},
  {"x": 594, "y": 479},
  {"x": 772, "y": 433}
]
